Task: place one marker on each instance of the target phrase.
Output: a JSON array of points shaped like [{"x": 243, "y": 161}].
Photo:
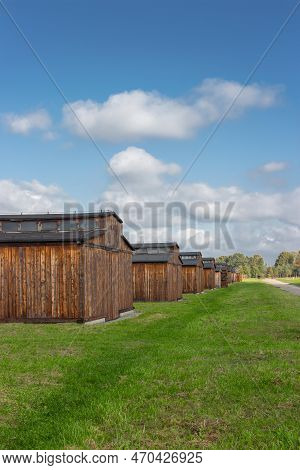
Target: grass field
[
  {"x": 215, "y": 371},
  {"x": 295, "y": 281}
]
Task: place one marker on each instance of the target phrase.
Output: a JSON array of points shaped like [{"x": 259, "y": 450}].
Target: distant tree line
[{"x": 287, "y": 264}]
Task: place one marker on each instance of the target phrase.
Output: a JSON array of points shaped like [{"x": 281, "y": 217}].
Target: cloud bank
[
  {"x": 258, "y": 222},
  {"x": 30, "y": 197},
  {"x": 144, "y": 176},
  {"x": 24, "y": 124},
  {"x": 266, "y": 223},
  {"x": 138, "y": 114}
]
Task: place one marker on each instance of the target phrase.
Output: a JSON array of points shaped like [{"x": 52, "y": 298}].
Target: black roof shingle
[
  {"x": 208, "y": 263},
  {"x": 191, "y": 258},
  {"x": 138, "y": 246},
  {"x": 57, "y": 216},
  {"x": 75, "y": 236},
  {"x": 151, "y": 258}
]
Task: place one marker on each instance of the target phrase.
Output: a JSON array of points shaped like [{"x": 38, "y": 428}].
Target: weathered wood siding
[
  {"x": 157, "y": 282},
  {"x": 39, "y": 283},
  {"x": 100, "y": 292},
  {"x": 218, "y": 279},
  {"x": 209, "y": 279},
  {"x": 224, "y": 278},
  {"x": 125, "y": 282},
  {"x": 202, "y": 280},
  {"x": 174, "y": 282},
  {"x": 193, "y": 279},
  {"x": 66, "y": 282},
  {"x": 107, "y": 283},
  {"x": 150, "y": 282},
  {"x": 113, "y": 231}
]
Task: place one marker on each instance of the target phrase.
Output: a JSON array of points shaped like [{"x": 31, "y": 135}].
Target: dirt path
[{"x": 282, "y": 285}]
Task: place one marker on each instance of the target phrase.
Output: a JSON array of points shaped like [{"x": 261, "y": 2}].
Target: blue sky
[{"x": 96, "y": 49}]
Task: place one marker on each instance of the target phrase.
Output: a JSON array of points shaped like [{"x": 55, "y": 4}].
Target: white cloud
[
  {"x": 259, "y": 222},
  {"x": 272, "y": 167},
  {"x": 136, "y": 167},
  {"x": 30, "y": 197},
  {"x": 137, "y": 114},
  {"x": 26, "y": 123},
  {"x": 266, "y": 223},
  {"x": 144, "y": 177}
]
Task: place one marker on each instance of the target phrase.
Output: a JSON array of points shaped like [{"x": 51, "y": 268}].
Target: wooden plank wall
[
  {"x": 149, "y": 281},
  {"x": 218, "y": 279},
  {"x": 157, "y": 282},
  {"x": 64, "y": 283},
  {"x": 101, "y": 289},
  {"x": 125, "y": 282},
  {"x": 224, "y": 278},
  {"x": 209, "y": 279},
  {"x": 202, "y": 279},
  {"x": 192, "y": 277},
  {"x": 174, "y": 282},
  {"x": 179, "y": 281},
  {"x": 113, "y": 231},
  {"x": 39, "y": 282},
  {"x": 107, "y": 282}
]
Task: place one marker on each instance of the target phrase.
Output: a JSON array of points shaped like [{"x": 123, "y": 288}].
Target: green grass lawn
[
  {"x": 215, "y": 371},
  {"x": 295, "y": 281}
]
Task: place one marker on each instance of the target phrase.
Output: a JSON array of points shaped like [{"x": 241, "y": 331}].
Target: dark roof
[
  {"x": 136, "y": 246},
  {"x": 190, "y": 262},
  {"x": 75, "y": 236},
  {"x": 232, "y": 270},
  {"x": 155, "y": 258},
  {"x": 191, "y": 258},
  {"x": 222, "y": 266},
  {"x": 191, "y": 253},
  {"x": 61, "y": 216},
  {"x": 208, "y": 263}
]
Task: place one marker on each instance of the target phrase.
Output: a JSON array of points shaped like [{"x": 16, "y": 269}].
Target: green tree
[
  {"x": 270, "y": 271},
  {"x": 242, "y": 264},
  {"x": 284, "y": 263},
  {"x": 297, "y": 264},
  {"x": 257, "y": 266}
]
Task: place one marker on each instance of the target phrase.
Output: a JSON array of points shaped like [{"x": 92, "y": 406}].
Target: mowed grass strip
[{"x": 215, "y": 371}]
